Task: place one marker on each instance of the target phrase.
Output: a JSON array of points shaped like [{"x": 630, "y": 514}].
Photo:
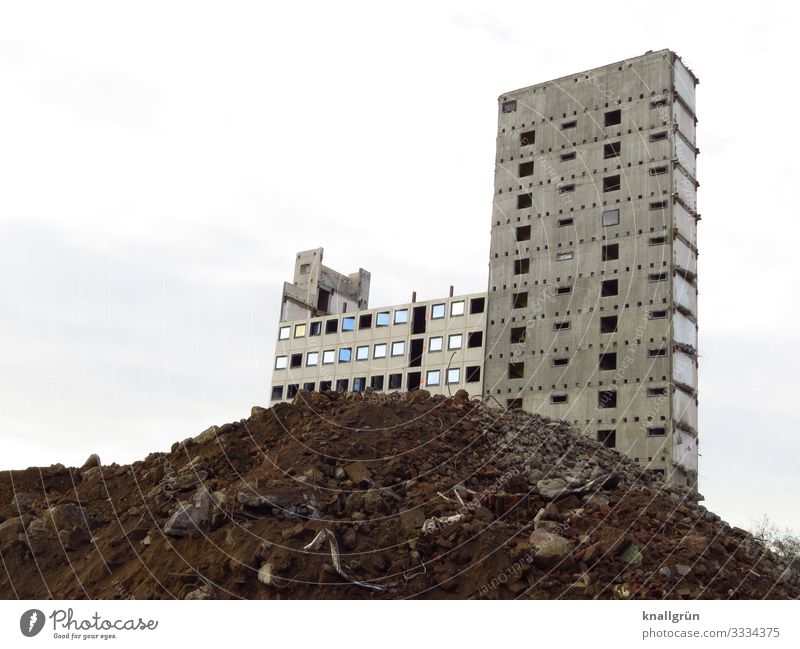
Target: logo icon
[{"x": 31, "y": 622}]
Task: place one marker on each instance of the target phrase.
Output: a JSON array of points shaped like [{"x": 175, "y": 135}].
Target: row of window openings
[
  {"x": 608, "y": 217},
  {"x": 398, "y": 348},
  {"x": 610, "y": 118},
  {"x": 607, "y": 361},
  {"x": 452, "y": 376},
  {"x": 612, "y": 150},
  {"x": 608, "y": 325},
  {"x": 610, "y": 184},
  {"x": 382, "y": 319},
  {"x": 608, "y": 288},
  {"x": 610, "y": 251},
  {"x": 609, "y": 438}
]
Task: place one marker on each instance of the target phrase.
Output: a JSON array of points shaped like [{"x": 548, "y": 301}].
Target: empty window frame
[
  {"x": 563, "y": 325},
  {"x": 472, "y": 374},
  {"x": 657, "y": 137},
  {"x": 658, "y": 170},
  {"x": 514, "y": 404},
  {"x": 565, "y": 126},
  {"x": 560, "y": 362},
  {"x": 524, "y": 233},
  {"x": 312, "y": 359},
  {"x": 524, "y": 201},
  {"x": 433, "y": 377},
  {"x": 475, "y": 339},
  {"x": 607, "y": 438},
  {"x": 315, "y": 328},
  {"x": 608, "y": 324},
  {"x": 525, "y": 169},
  {"x": 558, "y": 398},
  {"x": 610, "y": 217},
  {"x": 564, "y": 290},
  {"x": 395, "y": 381},
  {"x": 283, "y": 334},
  {"x": 456, "y": 308},
  {"x": 516, "y": 370},
  {"x": 658, "y": 103},
  {"x": 331, "y": 326},
  {"x": 438, "y": 311},
  {"x": 609, "y": 287},
  {"x": 562, "y": 223},
  {"x": 657, "y": 352},
  {"x": 296, "y": 361},
  {"x": 656, "y": 431},
  {"x": 300, "y": 330},
  {"x": 328, "y": 356},
  {"x": 362, "y": 353},
  {"x": 325, "y": 386},
  {"x": 365, "y": 321},
  {"x": 527, "y": 138},
  {"x": 359, "y": 383},
  {"x": 453, "y": 376},
  {"x": 564, "y": 256},
  {"x": 398, "y": 348},
  {"x": 607, "y": 361},
  {"x": 376, "y": 382},
  {"x": 657, "y": 277},
  {"x": 657, "y": 392},
  {"x": 277, "y": 392},
  {"x": 435, "y": 344},
  {"x": 612, "y": 150},
  {"x": 292, "y": 389},
  {"x": 607, "y": 399},
  {"x": 566, "y": 189},
  {"x": 611, "y": 183},
  {"x": 612, "y": 118},
  {"x": 345, "y": 354},
  {"x": 658, "y": 314},
  {"x": 401, "y": 316},
  {"x": 521, "y": 266},
  {"x": 658, "y": 205},
  {"x": 657, "y": 241},
  {"x": 517, "y": 335},
  {"x": 281, "y": 362},
  {"x": 519, "y": 300},
  {"x": 477, "y": 305},
  {"x": 382, "y": 319},
  {"x": 610, "y": 252},
  {"x": 379, "y": 351},
  {"x": 455, "y": 341},
  {"x": 349, "y": 323},
  {"x": 309, "y": 386},
  {"x": 571, "y": 155},
  {"x": 342, "y": 385},
  {"x": 509, "y": 106}
]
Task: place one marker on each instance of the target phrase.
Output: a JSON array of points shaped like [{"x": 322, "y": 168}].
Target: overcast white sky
[{"x": 161, "y": 162}]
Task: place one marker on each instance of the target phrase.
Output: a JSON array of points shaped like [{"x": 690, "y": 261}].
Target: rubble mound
[{"x": 374, "y": 496}]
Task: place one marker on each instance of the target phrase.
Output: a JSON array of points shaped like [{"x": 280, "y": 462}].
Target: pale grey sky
[{"x": 161, "y": 162}]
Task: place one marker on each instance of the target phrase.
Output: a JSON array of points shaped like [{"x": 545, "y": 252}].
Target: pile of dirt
[{"x": 364, "y": 496}]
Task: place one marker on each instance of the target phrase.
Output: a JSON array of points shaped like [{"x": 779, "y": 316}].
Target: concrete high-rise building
[{"x": 592, "y": 308}]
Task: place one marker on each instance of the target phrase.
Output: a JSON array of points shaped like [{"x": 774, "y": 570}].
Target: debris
[
  {"x": 631, "y": 555},
  {"x": 319, "y": 539},
  {"x": 436, "y": 524}
]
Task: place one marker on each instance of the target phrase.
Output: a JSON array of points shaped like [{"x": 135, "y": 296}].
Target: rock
[
  {"x": 208, "y": 435},
  {"x": 91, "y": 473},
  {"x": 258, "y": 412},
  {"x": 198, "y": 593},
  {"x": 92, "y": 461},
  {"x": 192, "y": 516},
  {"x": 147, "y": 540},
  {"x": 595, "y": 501},
  {"x": 183, "y": 482},
  {"x": 418, "y": 395},
  {"x": 631, "y": 554},
  {"x": 358, "y": 472},
  {"x": 340, "y": 473},
  {"x": 71, "y": 523},
  {"x": 412, "y": 519},
  {"x": 10, "y": 531},
  {"x": 682, "y": 569},
  {"x": 551, "y": 488},
  {"x": 665, "y": 571},
  {"x": 35, "y": 536},
  {"x": 786, "y": 575},
  {"x": 23, "y": 500},
  {"x": 349, "y": 539},
  {"x": 265, "y": 575},
  {"x": 548, "y": 526},
  {"x": 548, "y": 549}
]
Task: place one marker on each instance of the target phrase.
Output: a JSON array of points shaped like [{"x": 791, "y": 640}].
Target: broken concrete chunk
[
  {"x": 358, "y": 473},
  {"x": 551, "y": 488},
  {"x": 92, "y": 461}
]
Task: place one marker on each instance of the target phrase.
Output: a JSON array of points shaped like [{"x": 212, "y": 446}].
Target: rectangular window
[
  {"x": 657, "y": 277},
  {"x": 565, "y": 157},
  {"x": 566, "y": 189},
  {"x": 610, "y": 252},
  {"x": 527, "y": 138},
  {"x": 609, "y": 287},
  {"x": 379, "y": 351},
  {"x": 514, "y": 404},
  {"x": 349, "y": 323},
  {"x": 524, "y": 233},
  {"x": 359, "y": 383},
  {"x": 517, "y": 335},
  {"x": 658, "y": 103},
  {"x": 610, "y": 217},
  {"x": 283, "y": 334},
  {"x": 401, "y": 316},
  {"x": 608, "y": 361},
  {"x": 475, "y": 339},
  {"x": 291, "y": 390},
  {"x": 607, "y": 438},
  {"x": 656, "y": 392},
  {"x": 328, "y": 356},
  {"x": 365, "y": 321},
  {"x": 455, "y": 341},
  {"x": 612, "y": 150},
  {"x": 657, "y": 241},
  {"x": 456, "y": 308},
  {"x": 607, "y": 399},
  {"x": 564, "y": 256},
  {"x": 398, "y": 348},
  {"x": 277, "y": 392},
  {"x": 395, "y": 381},
  {"x": 305, "y": 269},
  {"x": 435, "y": 344},
  {"x": 658, "y": 431},
  {"x": 521, "y": 266},
  {"x": 362, "y": 353},
  {"x": 316, "y": 328},
  {"x": 611, "y": 183},
  {"x": 657, "y": 137},
  {"x": 565, "y": 126},
  {"x": 558, "y": 398},
  {"x": 331, "y": 326},
  {"x": 560, "y": 362},
  {"x": 309, "y": 387},
  {"x": 296, "y": 361},
  {"x": 509, "y": 106},
  {"x": 608, "y": 324},
  {"x": 312, "y": 359},
  {"x": 433, "y": 377},
  {"x": 562, "y": 223},
  {"x": 437, "y": 311},
  {"x": 342, "y": 385},
  {"x": 657, "y": 315},
  {"x": 516, "y": 370},
  {"x": 376, "y": 382},
  {"x": 325, "y": 386},
  {"x": 524, "y": 201},
  {"x": 613, "y": 117},
  {"x": 345, "y": 354},
  {"x": 382, "y": 319},
  {"x": 526, "y": 169},
  {"x": 473, "y": 374},
  {"x": 561, "y": 326},
  {"x": 660, "y": 205},
  {"x": 477, "y": 305},
  {"x": 656, "y": 353},
  {"x": 519, "y": 300},
  {"x": 300, "y": 330},
  {"x": 281, "y": 362},
  {"x": 659, "y": 170},
  {"x": 453, "y": 376}
]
